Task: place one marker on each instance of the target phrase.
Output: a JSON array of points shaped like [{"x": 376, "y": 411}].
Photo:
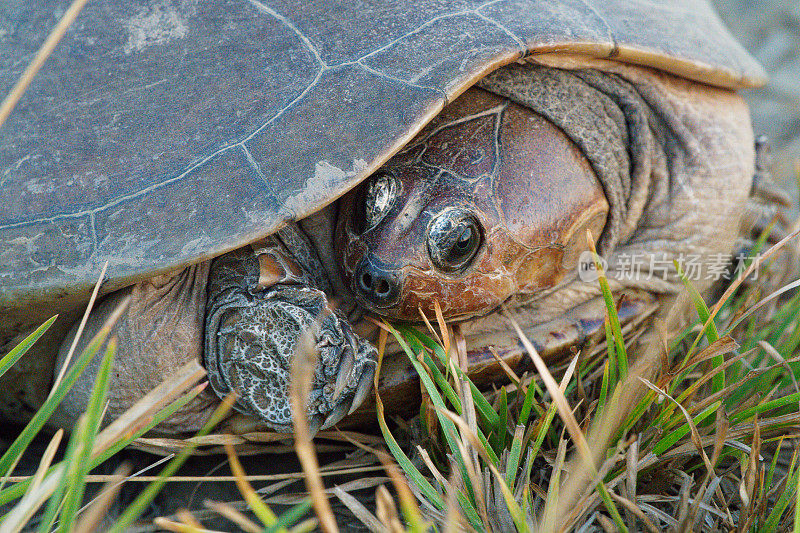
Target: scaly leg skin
[
  {"x": 161, "y": 330},
  {"x": 261, "y": 300}
]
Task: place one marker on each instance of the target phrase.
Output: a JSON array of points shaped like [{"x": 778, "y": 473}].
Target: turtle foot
[{"x": 252, "y": 340}]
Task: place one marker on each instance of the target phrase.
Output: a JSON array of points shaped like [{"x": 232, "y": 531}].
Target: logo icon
[{"x": 587, "y": 269}]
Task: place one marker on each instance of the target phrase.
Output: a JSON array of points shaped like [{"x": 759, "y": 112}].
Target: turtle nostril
[
  {"x": 366, "y": 281},
  {"x": 383, "y": 289},
  {"x": 379, "y": 287}
]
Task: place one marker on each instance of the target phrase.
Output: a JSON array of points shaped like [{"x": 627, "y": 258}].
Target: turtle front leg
[
  {"x": 261, "y": 301},
  {"x": 161, "y": 330}
]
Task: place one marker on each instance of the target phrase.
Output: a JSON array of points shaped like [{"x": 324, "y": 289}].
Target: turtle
[{"x": 215, "y": 152}]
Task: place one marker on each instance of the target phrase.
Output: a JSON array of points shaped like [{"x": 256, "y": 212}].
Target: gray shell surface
[{"x": 162, "y": 133}]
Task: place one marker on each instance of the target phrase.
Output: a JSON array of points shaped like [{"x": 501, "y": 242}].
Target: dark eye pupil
[
  {"x": 453, "y": 240},
  {"x": 464, "y": 241},
  {"x": 464, "y": 246}
]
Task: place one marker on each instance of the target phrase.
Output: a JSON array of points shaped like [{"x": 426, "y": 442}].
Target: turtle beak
[{"x": 376, "y": 286}]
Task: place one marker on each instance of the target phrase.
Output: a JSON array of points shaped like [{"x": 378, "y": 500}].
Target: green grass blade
[
  {"x": 674, "y": 436},
  {"x": 526, "y": 478},
  {"x": 501, "y": 428},
  {"x": 290, "y": 517},
  {"x": 56, "y": 500},
  {"x": 527, "y": 404},
  {"x": 11, "y": 358},
  {"x": 604, "y": 385},
  {"x": 7, "y": 362},
  {"x": 410, "y": 470},
  {"x": 612, "y": 356},
  {"x": 613, "y": 318},
  {"x": 159, "y": 417},
  {"x": 789, "y": 401},
  {"x": 77, "y": 474},
  {"x": 638, "y": 412},
  {"x": 783, "y": 320},
  {"x": 796, "y": 528},
  {"x": 612, "y": 509},
  {"x": 443, "y": 384},
  {"x": 135, "y": 509},
  {"x": 718, "y": 381},
  {"x": 18, "y": 490},
  {"x": 469, "y": 511},
  {"x": 513, "y": 507},
  {"x": 76, "y": 459},
  {"x": 482, "y": 406},
  {"x": 408, "y": 467},
  {"x": 700, "y": 305},
  {"x": 488, "y": 448},
  {"x": 545, "y": 427},
  {"x": 771, "y": 471},
  {"x": 43, "y": 414},
  {"x": 775, "y": 514},
  {"x": 448, "y": 426},
  {"x": 449, "y": 429},
  {"x": 514, "y": 455}
]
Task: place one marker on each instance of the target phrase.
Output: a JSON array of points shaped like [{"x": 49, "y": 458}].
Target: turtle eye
[
  {"x": 454, "y": 238},
  {"x": 379, "y": 198}
]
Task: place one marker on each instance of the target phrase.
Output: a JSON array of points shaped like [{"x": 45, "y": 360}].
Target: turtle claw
[
  {"x": 340, "y": 411},
  {"x": 315, "y": 423},
  {"x": 343, "y": 376},
  {"x": 251, "y": 341},
  {"x": 363, "y": 388},
  {"x": 771, "y": 193},
  {"x": 765, "y": 207}
]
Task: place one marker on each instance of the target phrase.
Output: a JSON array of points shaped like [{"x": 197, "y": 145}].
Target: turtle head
[{"x": 489, "y": 202}]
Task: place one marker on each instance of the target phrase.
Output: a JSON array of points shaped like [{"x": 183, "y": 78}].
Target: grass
[
  {"x": 693, "y": 431},
  {"x": 703, "y": 443},
  {"x": 54, "y": 494}
]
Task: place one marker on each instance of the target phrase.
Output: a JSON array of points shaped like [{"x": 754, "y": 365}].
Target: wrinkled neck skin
[
  {"x": 675, "y": 158},
  {"x": 656, "y": 167}
]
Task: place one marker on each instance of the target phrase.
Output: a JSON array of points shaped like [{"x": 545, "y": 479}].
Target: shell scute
[{"x": 162, "y": 133}]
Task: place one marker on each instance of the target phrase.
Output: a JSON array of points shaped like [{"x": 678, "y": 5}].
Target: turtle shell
[{"x": 163, "y": 133}]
